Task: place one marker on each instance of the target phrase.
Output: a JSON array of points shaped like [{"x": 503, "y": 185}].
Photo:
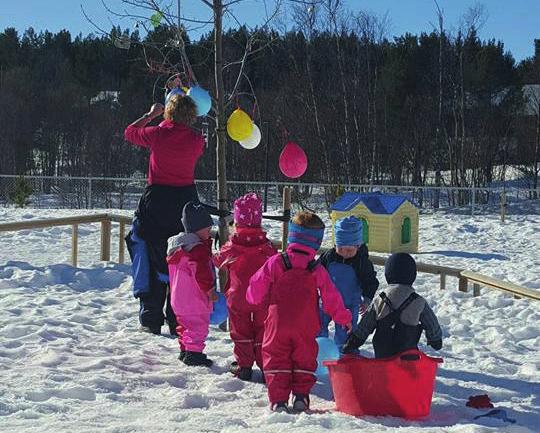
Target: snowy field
[{"x": 72, "y": 358}]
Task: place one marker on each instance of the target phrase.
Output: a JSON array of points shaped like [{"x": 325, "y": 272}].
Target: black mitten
[
  {"x": 437, "y": 344},
  {"x": 352, "y": 343}
]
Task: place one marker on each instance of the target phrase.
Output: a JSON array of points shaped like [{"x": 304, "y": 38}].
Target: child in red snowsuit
[
  {"x": 245, "y": 252},
  {"x": 293, "y": 281},
  {"x": 189, "y": 256}
]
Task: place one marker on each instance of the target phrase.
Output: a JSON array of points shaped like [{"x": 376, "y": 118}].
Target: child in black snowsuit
[{"x": 398, "y": 315}]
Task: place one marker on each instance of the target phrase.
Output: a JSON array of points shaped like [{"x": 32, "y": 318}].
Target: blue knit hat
[
  {"x": 348, "y": 232},
  {"x": 311, "y": 238}
]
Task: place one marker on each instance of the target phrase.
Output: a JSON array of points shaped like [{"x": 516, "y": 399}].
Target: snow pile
[{"x": 73, "y": 360}]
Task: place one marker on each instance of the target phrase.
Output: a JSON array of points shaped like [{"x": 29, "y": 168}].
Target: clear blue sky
[{"x": 515, "y": 22}]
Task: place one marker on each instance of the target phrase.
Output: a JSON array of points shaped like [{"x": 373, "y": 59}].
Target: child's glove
[
  {"x": 437, "y": 344},
  {"x": 352, "y": 344},
  {"x": 213, "y": 296}
]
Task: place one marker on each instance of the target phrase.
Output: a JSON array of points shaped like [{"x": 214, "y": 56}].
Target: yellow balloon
[{"x": 239, "y": 125}]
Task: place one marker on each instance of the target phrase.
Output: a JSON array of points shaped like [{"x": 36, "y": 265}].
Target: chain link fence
[{"x": 50, "y": 192}]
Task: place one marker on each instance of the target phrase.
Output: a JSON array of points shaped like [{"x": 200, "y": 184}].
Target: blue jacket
[{"x": 355, "y": 277}]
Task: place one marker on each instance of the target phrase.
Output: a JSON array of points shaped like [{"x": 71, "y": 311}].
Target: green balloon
[{"x": 156, "y": 19}]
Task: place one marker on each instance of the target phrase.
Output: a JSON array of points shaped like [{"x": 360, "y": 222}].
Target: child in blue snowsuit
[{"x": 351, "y": 272}]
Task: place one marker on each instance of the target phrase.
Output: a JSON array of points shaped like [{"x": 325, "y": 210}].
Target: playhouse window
[
  {"x": 406, "y": 231},
  {"x": 365, "y": 231}
]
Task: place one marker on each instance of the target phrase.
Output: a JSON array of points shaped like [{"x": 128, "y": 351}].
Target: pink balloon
[{"x": 293, "y": 160}]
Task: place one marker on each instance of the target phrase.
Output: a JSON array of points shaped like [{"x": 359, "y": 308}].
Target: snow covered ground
[{"x": 72, "y": 359}]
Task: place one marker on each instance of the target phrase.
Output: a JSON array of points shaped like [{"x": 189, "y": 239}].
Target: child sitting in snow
[
  {"x": 192, "y": 281},
  {"x": 351, "y": 271},
  {"x": 290, "y": 281},
  {"x": 245, "y": 252},
  {"x": 398, "y": 315}
]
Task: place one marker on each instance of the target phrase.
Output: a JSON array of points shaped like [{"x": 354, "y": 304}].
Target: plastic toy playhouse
[
  {"x": 400, "y": 386},
  {"x": 390, "y": 222}
]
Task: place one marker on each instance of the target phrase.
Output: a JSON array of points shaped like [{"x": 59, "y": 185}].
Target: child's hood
[
  {"x": 249, "y": 237},
  {"x": 184, "y": 241},
  {"x": 397, "y": 294}
]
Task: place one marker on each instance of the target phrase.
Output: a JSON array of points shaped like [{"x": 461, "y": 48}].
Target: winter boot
[
  {"x": 242, "y": 373},
  {"x": 172, "y": 329},
  {"x": 156, "y": 330},
  {"x": 301, "y": 403},
  {"x": 182, "y": 355},
  {"x": 196, "y": 359},
  {"x": 280, "y": 407}
]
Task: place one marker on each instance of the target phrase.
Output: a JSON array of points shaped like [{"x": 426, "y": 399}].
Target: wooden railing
[{"x": 106, "y": 220}]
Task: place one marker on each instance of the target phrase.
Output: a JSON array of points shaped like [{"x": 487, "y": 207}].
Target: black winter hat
[
  {"x": 195, "y": 217},
  {"x": 400, "y": 268}
]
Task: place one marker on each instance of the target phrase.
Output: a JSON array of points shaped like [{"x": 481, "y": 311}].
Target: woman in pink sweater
[{"x": 174, "y": 149}]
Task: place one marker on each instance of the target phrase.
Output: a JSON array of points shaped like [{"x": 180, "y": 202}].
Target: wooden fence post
[
  {"x": 74, "y": 244},
  {"x": 443, "y": 281},
  {"x": 463, "y": 284},
  {"x": 106, "y": 240},
  {"x": 286, "y": 207},
  {"x": 121, "y": 242},
  {"x": 503, "y": 207}
]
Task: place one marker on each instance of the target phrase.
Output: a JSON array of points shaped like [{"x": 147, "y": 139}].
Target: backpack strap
[
  {"x": 286, "y": 261},
  {"x": 387, "y": 301},
  {"x": 412, "y": 297},
  {"x": 312, "y": 265}
]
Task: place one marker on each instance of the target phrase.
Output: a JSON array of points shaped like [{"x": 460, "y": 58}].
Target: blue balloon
[
  {"x": 328, "y": 351},
  {"x": 202, "y": 100},
  {"x": 174, "y": 91},
  {"x": 220, "y": 314}
]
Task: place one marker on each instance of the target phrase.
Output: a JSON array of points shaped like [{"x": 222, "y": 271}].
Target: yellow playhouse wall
[
  {"x": 379, "y": 227},
  {"x": 405, "y": 210}
]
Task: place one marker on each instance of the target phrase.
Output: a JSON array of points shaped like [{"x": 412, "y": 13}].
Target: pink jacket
[
  {"x": 174, "y": 151},
  {"x": 260, "y": 285},
  {"x": 191, "y": 278},
  {"x": 243, "y": 255}
]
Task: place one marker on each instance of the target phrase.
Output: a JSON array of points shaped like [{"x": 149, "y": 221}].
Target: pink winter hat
[{"x": 248, "y": 210}]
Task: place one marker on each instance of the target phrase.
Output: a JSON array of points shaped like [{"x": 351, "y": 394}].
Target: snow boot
[
  {"x": 280, "y": 407},
  {"x": 301, "y": 403},
  {"x": 182, "y": 355},
  {"x": 172, "y": 329},
  {"x": 242, "y": 373},
  {"x": 193, "y": 359},
  {"x": 156, "y": 330}
]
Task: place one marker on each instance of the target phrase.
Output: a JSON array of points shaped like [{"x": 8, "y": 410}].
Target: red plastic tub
[{"x": 399, "y": 386}]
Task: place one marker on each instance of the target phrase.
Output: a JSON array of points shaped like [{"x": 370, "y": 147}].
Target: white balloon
[{"x": 253, "y": 140}]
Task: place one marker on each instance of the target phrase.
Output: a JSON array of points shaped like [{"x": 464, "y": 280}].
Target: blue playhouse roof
[{"x": 376, "y": 202}]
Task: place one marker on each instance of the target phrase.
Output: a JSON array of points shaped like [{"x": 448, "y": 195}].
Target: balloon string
[
  {"x": 285, "y": 134},
  {"x": 254, "y": 110},
  {"x": 237, "y": 102}
]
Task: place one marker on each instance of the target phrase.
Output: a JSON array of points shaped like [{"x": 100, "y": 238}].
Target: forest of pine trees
[{"x": 364, "y": 107}]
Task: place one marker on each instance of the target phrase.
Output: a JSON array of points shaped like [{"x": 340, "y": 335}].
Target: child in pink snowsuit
[
  {"x": 245, "y": 252},
  {"x": 192, "y": 283},
  {"x": 291, "y": 280}
]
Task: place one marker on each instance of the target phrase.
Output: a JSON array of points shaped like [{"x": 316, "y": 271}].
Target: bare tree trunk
[
  {"x": 221, "y": 135},
  {"x": 439, "y": 114},
  {"x": 536, "y": 151}
]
